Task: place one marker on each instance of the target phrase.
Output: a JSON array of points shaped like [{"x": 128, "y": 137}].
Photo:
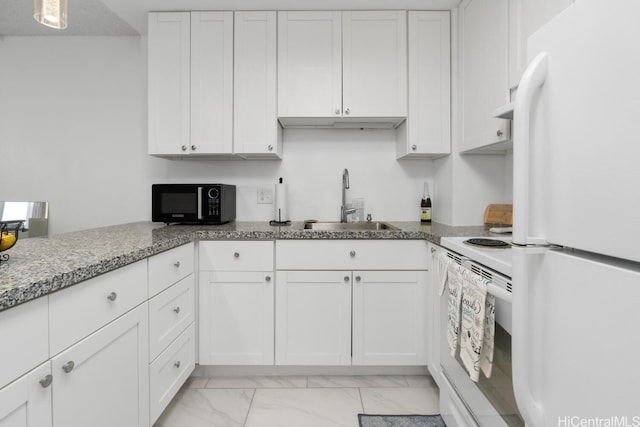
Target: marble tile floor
[{"x": 297, "y": 401}]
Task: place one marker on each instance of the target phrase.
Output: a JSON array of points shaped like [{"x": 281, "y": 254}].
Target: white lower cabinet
[
  {"x": 389, "y": 317},
  {"x": 26, "y": 402},
  {"x": 373, "y": 312},
  {"x": 103, "y": 380},
  {"x": 236, "y": 303},
  {"x": 313, "y": 318},
  {"x": 237, "y": 328}
]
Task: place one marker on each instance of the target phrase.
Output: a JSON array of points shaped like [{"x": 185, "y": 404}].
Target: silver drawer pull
[
  {"x": 176, "y": 264},
  {"x": 177, "y": 310},
  {"x": 433, "y": 250},
  {"x": 177, "y": 364},
  {"x": 112, "y": 296},
  {"x": 352, "y": 253},
  {"x": 236, "y": 254},
  {"x": 346, "y": 278},
  {"x": 268, "y": 278},
  {"x": 46, "y": 381},
  {"x": 68, "y": 367},
  {"x": 358, "y": 278}
]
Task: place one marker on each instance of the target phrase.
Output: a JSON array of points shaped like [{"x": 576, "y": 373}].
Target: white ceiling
[{"x": 129, "y": 17}]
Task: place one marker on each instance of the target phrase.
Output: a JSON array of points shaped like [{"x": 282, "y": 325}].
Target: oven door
[{"x": 490, "y": 402}]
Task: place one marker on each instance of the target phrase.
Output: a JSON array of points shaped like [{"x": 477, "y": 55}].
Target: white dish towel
[
  {"x": 454, "y": 289},
  {"x": 472, "y": 322},
  {"x": 442, "y": 271},
  {"x": 486, "y": 356}
]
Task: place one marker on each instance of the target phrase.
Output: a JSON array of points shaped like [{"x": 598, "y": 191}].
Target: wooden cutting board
[{"x": 498, "y": 214}]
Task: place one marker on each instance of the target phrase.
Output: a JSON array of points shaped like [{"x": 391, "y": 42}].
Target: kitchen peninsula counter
[{"x": 40, "y": 266}]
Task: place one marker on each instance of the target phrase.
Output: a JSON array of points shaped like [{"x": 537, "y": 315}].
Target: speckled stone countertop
[{"x": 40, "y": 266}]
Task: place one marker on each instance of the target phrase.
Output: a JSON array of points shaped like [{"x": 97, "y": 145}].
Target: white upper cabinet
[
  {"x": 427, "y": 131},
  {"x": 374, "y": 64},
  {"x": 256, "y": 130},
  {"x": 484, "y": 35},
  {"x": 309, "y": 64},
  {"x": 168, "y": 79},
  {"x": 341, "y": 67},
  {"x": 190, "y": 83},
  {"x": 211, "y": 82}
]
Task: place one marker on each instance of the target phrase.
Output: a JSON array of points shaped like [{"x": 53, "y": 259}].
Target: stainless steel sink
[{"x": 348, "y": 226}]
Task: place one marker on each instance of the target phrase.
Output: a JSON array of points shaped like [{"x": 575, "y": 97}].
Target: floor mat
[{"x": 400, "y": 420}]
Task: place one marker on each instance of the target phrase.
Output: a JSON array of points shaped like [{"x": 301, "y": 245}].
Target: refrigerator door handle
[
  {"x": 530, "y": 408},
  {"x": 533, "y": 77}
]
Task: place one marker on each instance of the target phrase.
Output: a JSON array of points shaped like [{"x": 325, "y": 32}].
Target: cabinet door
[
  {"x": 309, "y": 64},
  {"x": 211, "y": 82},
  {"x": 374, "y": 64},
  {"x": 256, "y": 131},
  {"x": 484, "y": 33},
  {"x": 389, "y": 309},
  {"x": 313, "y": 318},
  {"x": 236, "y": 318},
  {"x": 26, "y": 402},
  {"x": 103, "y": 381},
  {"x": 168, "y": 74},
  {"x": 427, "y": 130}
]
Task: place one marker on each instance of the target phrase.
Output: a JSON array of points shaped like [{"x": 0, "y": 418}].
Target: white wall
[{"x": 73, "y": 132}]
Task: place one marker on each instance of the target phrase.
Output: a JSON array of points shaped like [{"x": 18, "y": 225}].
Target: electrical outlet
[{"x": 265, "y": 196}]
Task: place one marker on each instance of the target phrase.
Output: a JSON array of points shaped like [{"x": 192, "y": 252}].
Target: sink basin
[{"x": 348, "y": 226}]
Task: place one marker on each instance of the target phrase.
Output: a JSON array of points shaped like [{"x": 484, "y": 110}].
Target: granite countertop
[{"x": 39, "y": 266}]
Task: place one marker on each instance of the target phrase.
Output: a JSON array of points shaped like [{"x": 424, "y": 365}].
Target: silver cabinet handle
[
  {"x": 268, "y": 278},
  {"x": 347, "y": 111},
  {"x": 236, "y": 254},
  {"x": 68, "y": 367},
  {"x": 177, "y": 310},
  {"x": 184, "y": 148},
  {"x": 112, "y": 296},
  {"x": 193, "y": 148},
  {"x": 176, "y": 264},
  {"x": 433, "y": 250},
  {"x": 46, "y": 381},
  {"x": 352, "y": 253},
  {"x": 358, "y": 278},
  {"x": 270, "y": 148},
  {"x": 337, "y": 111},
  {"x": 499, "y": 133},
  {"x": 346, "y": 278},
  {"x": 177, "y": 364},
  {"x": 414, "y": 147}
]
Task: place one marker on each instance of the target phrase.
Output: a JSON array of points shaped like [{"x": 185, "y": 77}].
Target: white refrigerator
[{"x": 576, "y": 263}]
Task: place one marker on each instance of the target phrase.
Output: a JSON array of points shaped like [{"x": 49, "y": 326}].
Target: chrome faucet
[{"x": 345, "y": 186}]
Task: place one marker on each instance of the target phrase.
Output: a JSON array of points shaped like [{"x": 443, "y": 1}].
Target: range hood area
[{"x": 341, "y": 122}]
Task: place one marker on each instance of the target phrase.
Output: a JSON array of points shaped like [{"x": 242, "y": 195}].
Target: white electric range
[{"x": 488, "y": 402}]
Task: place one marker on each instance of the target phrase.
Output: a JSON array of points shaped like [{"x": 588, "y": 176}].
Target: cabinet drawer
[
  {"x": 24, "y": 338},
  {"x": 351, "y": 255},
  {"x": 236, "y": 256},
  {"x": 170, "y": 370},
  {"x": 170, "y": 312},
  {"x": 77, "y": 311},
  {"x": 167, "y": 268}
]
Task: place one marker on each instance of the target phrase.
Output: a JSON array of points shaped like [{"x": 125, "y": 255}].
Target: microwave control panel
[{"x": 213, "y": 202}]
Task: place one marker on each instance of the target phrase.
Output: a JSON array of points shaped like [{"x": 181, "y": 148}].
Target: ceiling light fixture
[{"x": 52, "y": 13}]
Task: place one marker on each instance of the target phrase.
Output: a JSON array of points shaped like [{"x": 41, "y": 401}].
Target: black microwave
[{"x": 193, "y": 203}]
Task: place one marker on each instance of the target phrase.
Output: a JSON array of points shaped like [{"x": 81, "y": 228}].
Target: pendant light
[{"x": 52, "y": 13}]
